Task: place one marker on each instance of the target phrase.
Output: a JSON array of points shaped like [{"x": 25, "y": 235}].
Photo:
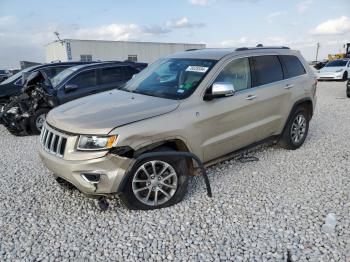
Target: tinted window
[
  {"x": 49, "y": 71},
  {"x": 267, "y": 69},
  {"x": 131, "y": 71},
  {"x": 336, "y": 63},
  {"x": 236, "y": 72},
  {"x": 293, "y": 65},
  {"x": 112, "y": 74},
  {"x": 84, "y": 79},
  {"x": 58, "y": 70}
]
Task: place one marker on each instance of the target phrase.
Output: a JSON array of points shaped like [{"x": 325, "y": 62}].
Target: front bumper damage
[
  {"x": 110, "y": 169},
  {"x": 15, "y": 122}
]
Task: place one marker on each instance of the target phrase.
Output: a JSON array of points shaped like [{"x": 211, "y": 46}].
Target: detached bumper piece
[{"x": 15, "y": 125}]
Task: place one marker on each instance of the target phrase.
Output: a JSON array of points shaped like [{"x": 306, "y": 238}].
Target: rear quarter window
[
  {"x": 293, "y": 66},
  {"x": 266, "y": 69}
]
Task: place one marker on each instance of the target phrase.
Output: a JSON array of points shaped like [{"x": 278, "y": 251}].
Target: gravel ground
[{"x": 259, "y": 210}]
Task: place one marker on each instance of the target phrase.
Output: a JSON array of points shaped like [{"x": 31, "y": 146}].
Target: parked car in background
[
  {"x": 208, "y": 102},
  {"x": 4, "y": 74},
  {"x": 13, "y": 84},
  {"x": 335, "y": 70},
  {"x": 25, "y": 113}
]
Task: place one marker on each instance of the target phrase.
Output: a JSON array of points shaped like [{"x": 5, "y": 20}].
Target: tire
[
  {"x": 348, "y": 89},
  {"x": 295, "y": 133},
  {"x": 146, "y": 199},
  {"x": 345, "y": 76},
  {"x": 35, "y": 119}
]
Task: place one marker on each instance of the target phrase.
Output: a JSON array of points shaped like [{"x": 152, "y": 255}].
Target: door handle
[
  {"x": 250, "y": 97},
  {"x": 288, "y": 86}
]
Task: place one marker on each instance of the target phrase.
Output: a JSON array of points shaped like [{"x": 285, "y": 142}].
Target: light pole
[{"x": 318, "y": 47}]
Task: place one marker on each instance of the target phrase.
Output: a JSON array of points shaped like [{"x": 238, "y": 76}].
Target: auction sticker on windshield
[{"x": 198, "y": 69}]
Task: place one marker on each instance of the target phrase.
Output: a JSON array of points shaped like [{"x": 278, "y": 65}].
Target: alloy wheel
[
  {"x": 298, "y": 129},
  {"x": 39, "y": 121},
  {"x": 155, "y": 182}
]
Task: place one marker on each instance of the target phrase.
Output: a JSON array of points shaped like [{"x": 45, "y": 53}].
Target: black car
[
  {"x": 14, "y": 84},
  {"x": 4, "y": 74},
  {"x": 26, "y": 112},
  {"x": 348, "y": 88}
]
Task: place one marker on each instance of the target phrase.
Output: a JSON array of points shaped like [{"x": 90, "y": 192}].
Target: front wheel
[
  {"x": 296, "y": 130},
  {"x": 37, "y": 120},
  {"x": 156, "y": 183},
  {"x": 345, "y": 76}
]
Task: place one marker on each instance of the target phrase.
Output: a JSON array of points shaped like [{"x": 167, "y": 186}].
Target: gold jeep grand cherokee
[{"x": 207, "y": 102}]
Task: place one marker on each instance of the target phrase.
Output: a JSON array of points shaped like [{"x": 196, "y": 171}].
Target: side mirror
[
  {"x": 220, "y": 89},
  {"x": 70, "y": 87}
]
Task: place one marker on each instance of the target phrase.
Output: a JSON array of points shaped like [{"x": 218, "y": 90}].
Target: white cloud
[
  {"x": 183, "y": 22},
  {"x": 6, "y": 21},
  {"x": 333, "y": 26},
  {"x": 303, "y": 6},
  {"x": 271, "y": 16},
  {"x": 199, "y": 2},
  {"x": 120, "y": 32},
  {"x": 240, "y": 42}
]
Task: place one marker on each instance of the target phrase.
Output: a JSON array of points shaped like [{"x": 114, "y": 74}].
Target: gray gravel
[{"x": 259, "y": 210}]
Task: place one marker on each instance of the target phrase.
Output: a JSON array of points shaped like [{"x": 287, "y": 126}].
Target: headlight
[
  {"x": 339, "y": 70},
  {"x": 91, "y": 143}
]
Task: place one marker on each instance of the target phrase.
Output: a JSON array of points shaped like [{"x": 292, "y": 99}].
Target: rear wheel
[
  {"x": 37, "y": 120},
  {"x": 296, "y": 130},
  {"x": 156, "y": 183}
]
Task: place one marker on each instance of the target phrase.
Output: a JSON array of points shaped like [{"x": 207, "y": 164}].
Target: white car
[{"x": 335, "y": 70}]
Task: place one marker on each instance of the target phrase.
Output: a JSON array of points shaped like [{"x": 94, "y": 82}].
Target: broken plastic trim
[{"x": 179, "y": 155}]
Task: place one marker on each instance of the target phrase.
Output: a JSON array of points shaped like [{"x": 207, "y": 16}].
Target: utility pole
[{"x": 318, "y": 47}]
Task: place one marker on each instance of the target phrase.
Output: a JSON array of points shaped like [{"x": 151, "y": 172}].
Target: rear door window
[
  {"x": 293, "y": 66},
  {"x": 266, "y": 69},
  {"x": 131, "y": 71},
  {"x": 84, "y": 79},
  {"x": 112, "y": 74}
]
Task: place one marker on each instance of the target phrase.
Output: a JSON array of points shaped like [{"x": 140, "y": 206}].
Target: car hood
[
  {"x": 331, "y": 69},
  {"x": 101, "y": 113}
]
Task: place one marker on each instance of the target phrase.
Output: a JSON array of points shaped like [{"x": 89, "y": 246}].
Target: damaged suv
[{"x": 207, "y": 102}]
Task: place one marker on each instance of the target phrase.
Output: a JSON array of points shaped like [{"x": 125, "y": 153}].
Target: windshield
[
  {"x": 17, "y": 75},
  {"x": 170, "y": 78},
  {"x": 337, "y": 63},
  {"x": 56, "y": 80}
]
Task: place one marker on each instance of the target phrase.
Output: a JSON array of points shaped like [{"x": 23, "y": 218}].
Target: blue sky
[{"x": 26, "y": 26}]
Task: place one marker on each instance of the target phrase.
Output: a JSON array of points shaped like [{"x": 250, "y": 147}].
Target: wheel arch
[
  {"x": 305, "y": 103},
  {"x": 175, "y": 144}
]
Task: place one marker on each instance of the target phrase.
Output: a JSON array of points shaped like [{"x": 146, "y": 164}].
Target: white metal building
[{"x": 93, "y": 50}]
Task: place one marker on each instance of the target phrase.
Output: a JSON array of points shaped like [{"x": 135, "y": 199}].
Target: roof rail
[{"x": 258, "y": 48}]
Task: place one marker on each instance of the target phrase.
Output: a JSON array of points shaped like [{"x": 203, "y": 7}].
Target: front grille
[{"x": 53, "y": 142}]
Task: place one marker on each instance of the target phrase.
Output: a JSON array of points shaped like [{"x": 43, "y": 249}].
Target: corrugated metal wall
[{"x": 114, "y": 50}]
